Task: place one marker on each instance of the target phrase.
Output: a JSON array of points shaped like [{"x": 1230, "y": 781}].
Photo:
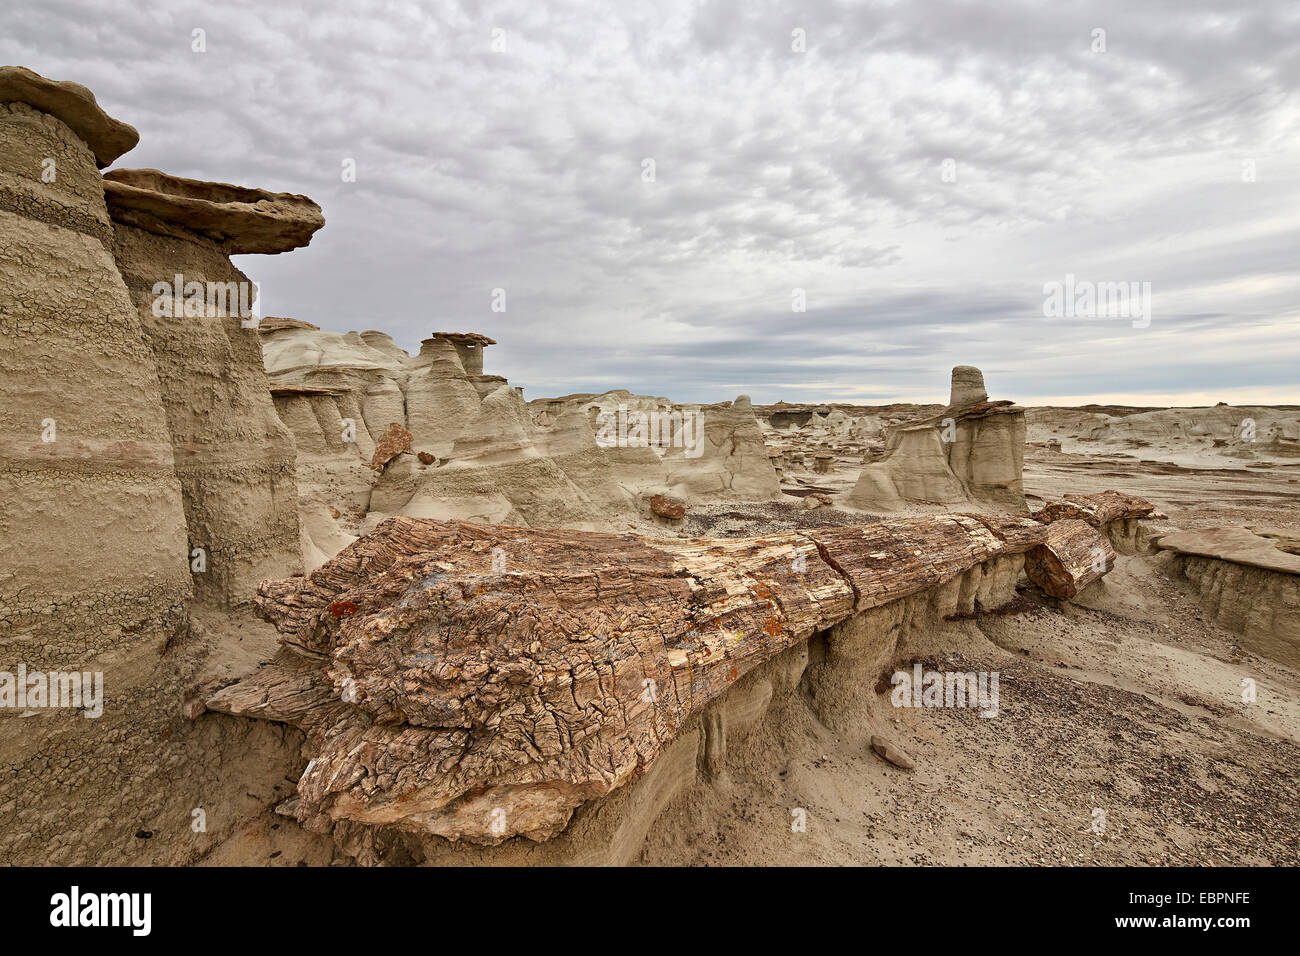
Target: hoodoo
[
  {"x": 94, "y": 568},
  {"x": 99, "y": 546},
  {"x": 234, "y": 457},
  {"x": 970, "y": 453}
]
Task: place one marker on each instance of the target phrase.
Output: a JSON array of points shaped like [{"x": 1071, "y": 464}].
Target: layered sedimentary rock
[
  {"x": 1185, "y": 435},
  {"x": 657, "y": 447},
  {"x": 94, "y": 540},
  {"x": 94, "y": 571},
  {"x": 172, "y": 241},
  {"x": 443, "y": 395},
  {"x": 971, "y": 453},
  {"x": 1248, "y": 581},
  {"x": 967, "y": 387},
  {"x": 732, "y": 458},
  {"x": 336, "y": 394},
  {"x": 236, "y": 219},
  {"x": 589, "y": 462},
  {"x": 549, "y": 476},
  {"x": 634, "y": 434},
  {"x": 477, "y": 682}
]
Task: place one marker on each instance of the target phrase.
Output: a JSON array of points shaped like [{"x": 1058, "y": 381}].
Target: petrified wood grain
[
  {"x": 1097, "y": 509},
  {"x": 480, "y": 682},
  {"x": 393, "y": 441},
  {"x": 1073, "y": 555}
]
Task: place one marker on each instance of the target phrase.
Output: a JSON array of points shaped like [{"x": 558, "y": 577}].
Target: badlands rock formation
[
  {"x": 454, "y": 677},
  {"x": 578, "y": 462},
  {"x": 172, "y": 241},
  {"x": 971, "y": 453},
  {"x": 733, "y": 460},
  {"x": 1193, "y": 436},
  {"x": 95, "y": 557},
  {"x": 476, "y": 682},
  {"x": 1248, "y": 581},
  {"x": 710, "y": 453},
  {"x": 339, "y": 393}
]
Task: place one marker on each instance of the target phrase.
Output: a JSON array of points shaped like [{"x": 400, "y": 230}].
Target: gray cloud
[{"x": 774, "y": 170}]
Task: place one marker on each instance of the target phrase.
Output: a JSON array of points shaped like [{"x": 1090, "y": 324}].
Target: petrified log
[
  {"x": 393, "y": 441},
  {"x": 480, "y": 682},
  {"x": 1073, "y": 555},
  {"x": 1098, "y": 509}
]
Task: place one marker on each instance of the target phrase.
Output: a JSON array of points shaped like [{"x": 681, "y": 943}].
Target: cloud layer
[{"x": 651, "y": 183}]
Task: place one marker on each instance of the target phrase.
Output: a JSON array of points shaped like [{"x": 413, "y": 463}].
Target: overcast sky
[{"x": 919, "y": 169}]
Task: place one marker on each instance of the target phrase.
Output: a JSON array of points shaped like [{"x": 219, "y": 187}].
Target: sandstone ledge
[
  {"x": 1237, "y": 545},
  {"x": 238, "y": 219},
  {"x": 75, "y": 105}
]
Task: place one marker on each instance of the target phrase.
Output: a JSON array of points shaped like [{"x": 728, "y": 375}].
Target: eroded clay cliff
[{"x": 95, "y": 578}]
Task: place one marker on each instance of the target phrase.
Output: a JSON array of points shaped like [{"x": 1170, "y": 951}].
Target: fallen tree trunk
[
  {"x": 480, "y": 682},
  {"x": 1097, "y": 509},
  {"x": 1072, "y": 556}
]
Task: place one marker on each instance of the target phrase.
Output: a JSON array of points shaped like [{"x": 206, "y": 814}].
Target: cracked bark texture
[
  {"x": 481, "y": 682},
  {"x": 1097, "y": 509}
]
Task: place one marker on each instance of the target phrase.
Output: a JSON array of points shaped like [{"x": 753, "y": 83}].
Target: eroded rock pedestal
[
  {"x": 172, "y": 241},
  {"x": 96, "y": 420},
  {"x": 93, "y": 531},
  {"x": 970, "y": 453}
]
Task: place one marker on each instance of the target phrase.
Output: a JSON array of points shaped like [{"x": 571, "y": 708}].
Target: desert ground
[{"x": 358, "y": 605}]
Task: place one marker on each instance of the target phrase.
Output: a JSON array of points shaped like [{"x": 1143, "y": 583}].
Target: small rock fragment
[
  {"x": 887, "y": 751},
  {"x": 667, "y": 508}
]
